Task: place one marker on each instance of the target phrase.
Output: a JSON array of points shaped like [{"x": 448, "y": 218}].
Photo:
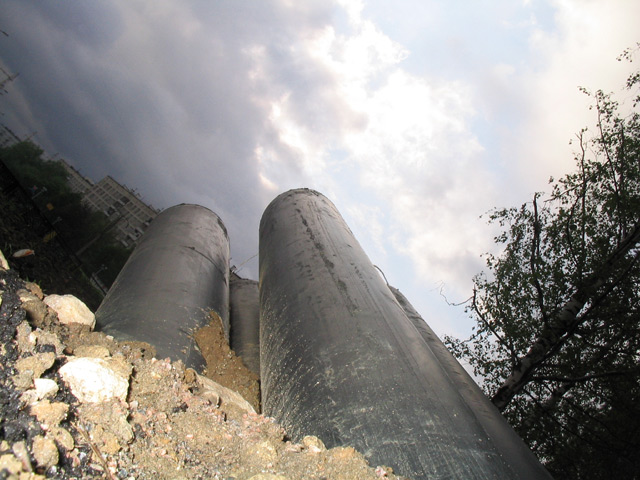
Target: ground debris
[{"x": 171, "y": 424}]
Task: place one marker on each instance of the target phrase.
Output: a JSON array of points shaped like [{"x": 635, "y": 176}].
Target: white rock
[
  {"x": 213, "y": 390},
  {"x": 93, "y": 380},
  {"x": 70, "y": 310},
  {"x": 45, "y": 387}
]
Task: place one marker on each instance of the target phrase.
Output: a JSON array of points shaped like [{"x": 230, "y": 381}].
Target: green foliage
[
  {"x": 557, "y": 335},
  {"x": 77, "y": 225},
  {"x": 108, "y": 258}
]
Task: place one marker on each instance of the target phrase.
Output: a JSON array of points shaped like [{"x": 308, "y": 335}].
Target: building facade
[
  {"x": 130, "y": 216},
  {"x": 76, "y": 181}
]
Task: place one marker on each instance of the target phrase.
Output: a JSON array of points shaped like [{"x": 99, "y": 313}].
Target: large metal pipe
[
  {"x": 177, "y": 274},
  {"x": 244, "y": 312},
  {"x": 505, "y": 439},
  {"x": 340, "y": 359}
]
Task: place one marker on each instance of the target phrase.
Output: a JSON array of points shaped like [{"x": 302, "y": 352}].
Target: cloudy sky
[{"x": 414, "y": 117}]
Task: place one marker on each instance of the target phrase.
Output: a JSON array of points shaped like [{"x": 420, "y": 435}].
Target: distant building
[
  {"x": 77, "y": 182},
  {"x": 128, "y": 214},
  {"x": 122, "y": 206}
]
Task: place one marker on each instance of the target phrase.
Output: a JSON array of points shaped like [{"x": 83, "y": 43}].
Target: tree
[
  {"x": 557, "y": 334},
  {"x": 76, "y": 224}
]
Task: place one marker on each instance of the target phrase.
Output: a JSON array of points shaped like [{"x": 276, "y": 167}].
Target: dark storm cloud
[
  {"x": 93, "y": 24},
  {"x": 161, "y": 96}
]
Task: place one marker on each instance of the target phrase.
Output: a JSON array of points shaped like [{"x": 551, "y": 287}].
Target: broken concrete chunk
[
  {"x": 95, "y": 379},
  {"x": 71, "y": 310},
  {"x": 210, "y": 389}
]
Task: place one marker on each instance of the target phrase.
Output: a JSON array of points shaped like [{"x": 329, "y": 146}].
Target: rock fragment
[
  {"x": 42, "y": 338},
  {"x": 26, "y": 343},
  {"x": 10, "y": 465},
  {"x": 71, "y": 310},
  {"x": 30, "y": 368},
  {"x": 223, "y": 395},
  {"x": 264, "y": 452},
  {"x": 43, "y": 388},
  {"x": 44, "y": 452},
  {"x": 313, "y": 444},
  {"x": 37, "y": 311},
  {"x": 20, "y": 451},
  {"x": 93, "y": 351},
  {"x": 38, "y": 363},
  {"x": 62, "y": 437},
  {"x": 95, "y": 379},
  {"x": 49, "y": 413},
  {"x": 35, "y": 289}
]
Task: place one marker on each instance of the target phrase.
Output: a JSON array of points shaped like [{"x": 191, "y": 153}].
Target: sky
[{"x": 414, "y": 117}]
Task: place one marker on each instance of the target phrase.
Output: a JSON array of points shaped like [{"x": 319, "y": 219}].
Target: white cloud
[
  {"x": 581, "y": 51},
  {"x": 410, "y": 145}
]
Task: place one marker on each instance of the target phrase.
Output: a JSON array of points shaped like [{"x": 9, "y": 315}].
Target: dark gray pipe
[
  {"x": 244, "y": 312},
  {"x": 340, "y": 359},
  {"x": 505, "y": 439},
  {"x": 178, "y": 273}
]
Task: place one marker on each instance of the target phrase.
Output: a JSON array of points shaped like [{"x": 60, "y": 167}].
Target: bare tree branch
[
  {"x": 505, "y": 343},
  {"x": 535, "y": 255}
]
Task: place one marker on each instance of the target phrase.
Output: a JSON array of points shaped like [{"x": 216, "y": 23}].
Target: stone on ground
[
  {"x": 95, "y": 380},
  {"x": 70, "y": 310}
]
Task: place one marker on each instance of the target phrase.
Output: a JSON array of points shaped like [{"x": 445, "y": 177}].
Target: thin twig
[{"x": 96, "y": 451}]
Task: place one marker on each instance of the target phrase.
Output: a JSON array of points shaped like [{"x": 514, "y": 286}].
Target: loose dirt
[{"x": 223, "y": 366}]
